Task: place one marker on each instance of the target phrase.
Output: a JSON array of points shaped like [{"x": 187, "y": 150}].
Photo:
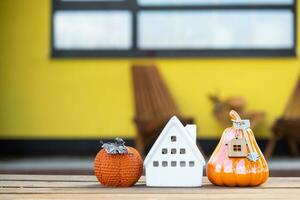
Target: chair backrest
[
  {"x": 152, "y": 98},
  {"x": 292, "y": 109}
]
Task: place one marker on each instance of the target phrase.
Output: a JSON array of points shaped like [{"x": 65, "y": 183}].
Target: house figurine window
[
  {"x": 173, "y": 163},
  {"x": 173, "y": 151},
  {"x": 173, "y": 138},
  {"x": 192, "y": 163},
  {"x": 164, "y": 163},
  {"x": 182, "y": 163},
  {"x": 237, "y": 148},
  {"x": 155, "y": 163},
  {"x": 182, "y": 151}
]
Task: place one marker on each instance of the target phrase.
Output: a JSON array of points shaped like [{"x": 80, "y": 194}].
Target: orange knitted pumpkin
[
  {"x": 117, "y": 165},
  {"x": 237, "y": 160}
]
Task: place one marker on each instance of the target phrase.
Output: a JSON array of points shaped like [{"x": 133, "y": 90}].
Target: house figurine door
[{"x": 237, "y": 148}]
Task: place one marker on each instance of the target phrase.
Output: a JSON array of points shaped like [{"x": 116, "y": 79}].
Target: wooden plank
[
  {"x": 94, "y": 187},
  {"x": 64, "y": 178},
  {"x": 20, "y": 177},
  {"x": 75, "y": 181},
  {"x": 287, "y": 194},
  {"x": 142, "y": 190},
  {"x": 45, "y": 184},
  {"x": 87, "y": 187},
  {"x": 48, "y": 184}
]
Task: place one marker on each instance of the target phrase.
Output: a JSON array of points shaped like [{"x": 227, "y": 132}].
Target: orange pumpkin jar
[
  {"x": 233, "y": 167},
  {"x": 117, "y": 165}
]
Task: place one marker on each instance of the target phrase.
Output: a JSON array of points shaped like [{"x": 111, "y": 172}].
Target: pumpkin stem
[
  {"x": 117, "y": 147},
  {"x": 234, "y": 116}
]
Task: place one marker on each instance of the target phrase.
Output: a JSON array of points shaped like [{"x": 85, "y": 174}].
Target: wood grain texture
[
  {"x": 268, "y": 195},
  {"x": 87, "y": 187},
  {"x": 16, "y": 177}
]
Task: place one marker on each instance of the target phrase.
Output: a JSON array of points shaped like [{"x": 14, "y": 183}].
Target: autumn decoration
[{"x": 117, "y": 165}]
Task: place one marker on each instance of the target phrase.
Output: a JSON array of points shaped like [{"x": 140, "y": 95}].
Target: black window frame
[{"x": 133, "y": 6}]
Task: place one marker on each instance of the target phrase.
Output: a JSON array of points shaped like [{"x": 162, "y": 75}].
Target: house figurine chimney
[{"x": 192, "y": 130}]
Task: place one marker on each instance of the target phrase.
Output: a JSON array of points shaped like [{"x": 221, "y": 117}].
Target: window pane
[
  {"x": 164, "y": 163},
  {"x": 173, "y": 163},
  {"x": 92, "y": 30},
  {"x": 182, "y": 151},
  {"x": 211, "y": 2},
  {"x": 182, "y": 163},
  {"x": 173, "y": 151},
  {"x": 155, "y": 163},
  {"x": 173, "y": 138},
  {"x": 192, "y": 163},
  {"x": 164, "y": 151},
  {"x": 230, "y": 29}
]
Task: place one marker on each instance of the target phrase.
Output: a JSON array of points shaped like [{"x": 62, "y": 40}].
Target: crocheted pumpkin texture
[{"x": 118, "y": 169}]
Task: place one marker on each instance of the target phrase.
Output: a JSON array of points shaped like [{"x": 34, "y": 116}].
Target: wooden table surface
[{"x": 86, "y": 187}]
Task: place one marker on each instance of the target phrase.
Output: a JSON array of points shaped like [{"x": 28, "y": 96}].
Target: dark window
[
  {"x": 173, "y": 163},
  {"x": 182, "y": 151},
  {"x": 164, "y": 163},
  {"x": 173, "y": 138},
  {"x": 173, "y": 151},
  {"x": 191, "y": 163},
  {"x": 163, "y": 28},
  {"x": 182, "y": 163},
  {"x": 237, "y": 148}
]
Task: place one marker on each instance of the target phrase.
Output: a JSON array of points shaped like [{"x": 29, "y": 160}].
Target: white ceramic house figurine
[{"x": 174, "y": 159}]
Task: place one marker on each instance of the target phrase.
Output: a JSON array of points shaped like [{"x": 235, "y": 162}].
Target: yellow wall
[{"x": 42, "y": 97}]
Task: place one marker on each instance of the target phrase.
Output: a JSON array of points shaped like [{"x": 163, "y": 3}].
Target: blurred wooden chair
[
  {"x": 223, "y": 107},
  {"x": 287, "y": 126},
  {"x": 154, "y": 105}
]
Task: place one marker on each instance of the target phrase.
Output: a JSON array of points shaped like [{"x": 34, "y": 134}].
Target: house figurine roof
[{"x": 188, "y": 133}]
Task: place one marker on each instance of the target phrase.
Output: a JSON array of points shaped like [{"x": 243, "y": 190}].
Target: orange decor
[
  {"x": 117, "y": 165},
  {"x": 237, "y": 160}
]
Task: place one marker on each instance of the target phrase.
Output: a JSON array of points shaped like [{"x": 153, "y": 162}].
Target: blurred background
[{"x": 74, "y": 72}]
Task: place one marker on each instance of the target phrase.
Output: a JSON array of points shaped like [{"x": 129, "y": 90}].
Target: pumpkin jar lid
[
  {"x": 117, "y": 147},
  {"x": 239, "y": 123}
]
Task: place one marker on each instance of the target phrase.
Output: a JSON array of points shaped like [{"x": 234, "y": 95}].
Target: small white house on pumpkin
[{"x": 174, "y": 159}]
